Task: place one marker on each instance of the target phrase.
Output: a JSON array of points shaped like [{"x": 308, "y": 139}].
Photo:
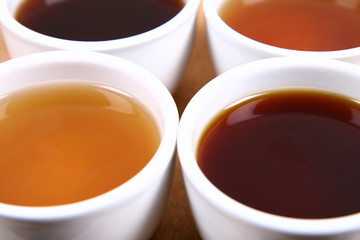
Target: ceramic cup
[
  {"x": 221, "y": 217},
  {"x": 130, "y": 211},
  {"x": 230, "y": 48},
  {"x": 162, "y": 50}
]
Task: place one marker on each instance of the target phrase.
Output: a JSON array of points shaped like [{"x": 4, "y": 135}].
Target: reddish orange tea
[
  {"x": 66, "y": 143},
  {"x": 310, "y": 25}
]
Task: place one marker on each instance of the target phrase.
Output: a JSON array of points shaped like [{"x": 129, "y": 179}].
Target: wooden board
[{"x": 177, "y": 222}]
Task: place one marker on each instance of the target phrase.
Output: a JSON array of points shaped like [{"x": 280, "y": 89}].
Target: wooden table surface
[{"x": 177, "y": 222}]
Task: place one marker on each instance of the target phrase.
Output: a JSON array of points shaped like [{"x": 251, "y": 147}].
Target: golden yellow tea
[
  {"x": 310, "y": 25},
  {"x": 63, "y": 143}
]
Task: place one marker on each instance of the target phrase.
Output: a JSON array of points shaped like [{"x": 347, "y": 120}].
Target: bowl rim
[
  {"x": 15, "y": 28},
  {"x": 234, "y": 210},
  {"x": 154, "y": 170}
]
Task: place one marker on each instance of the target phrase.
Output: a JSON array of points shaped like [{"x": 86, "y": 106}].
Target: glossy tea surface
[
  {"x": 309, "y": 25},
  {"x": 64, "y": 143},
  {"x": 95, "y": 20},
  {"x": 290, "y": 153}
]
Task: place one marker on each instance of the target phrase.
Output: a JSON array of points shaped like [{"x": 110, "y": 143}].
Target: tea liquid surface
[
  {"x": 61, "y": 144},
  {"x": 290, "y": 153},
  {"x": 95, "y": 20},
  {"x": 309, "y": 25}
]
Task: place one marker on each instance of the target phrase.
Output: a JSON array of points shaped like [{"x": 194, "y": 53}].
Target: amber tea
[
  {"x": 309, "y": 25},
  {"x": 95, "y": 20},
  {"x": 64, "y": 143},
  {"x": 291, "y": 153}
]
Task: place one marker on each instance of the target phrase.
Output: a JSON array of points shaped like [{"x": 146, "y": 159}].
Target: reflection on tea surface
[
  {"x": 63, "y": 143},
  {"x": 290, "y": 153},
  {"x": 310, "y": 25}
]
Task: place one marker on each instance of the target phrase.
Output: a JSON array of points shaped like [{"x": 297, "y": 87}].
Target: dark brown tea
[
  {"x": 290, "y": 153},
  {"x": 309, "y": 25},
  {"x": 95, "y": 20}
]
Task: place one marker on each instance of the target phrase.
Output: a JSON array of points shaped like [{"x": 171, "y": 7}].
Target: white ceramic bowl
[
  {"x": 230, "y": 48},
  {"x": 162, "y": 50},
  {"x": 219, "y": 216},
  {"x": 130, "y": 211}
]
